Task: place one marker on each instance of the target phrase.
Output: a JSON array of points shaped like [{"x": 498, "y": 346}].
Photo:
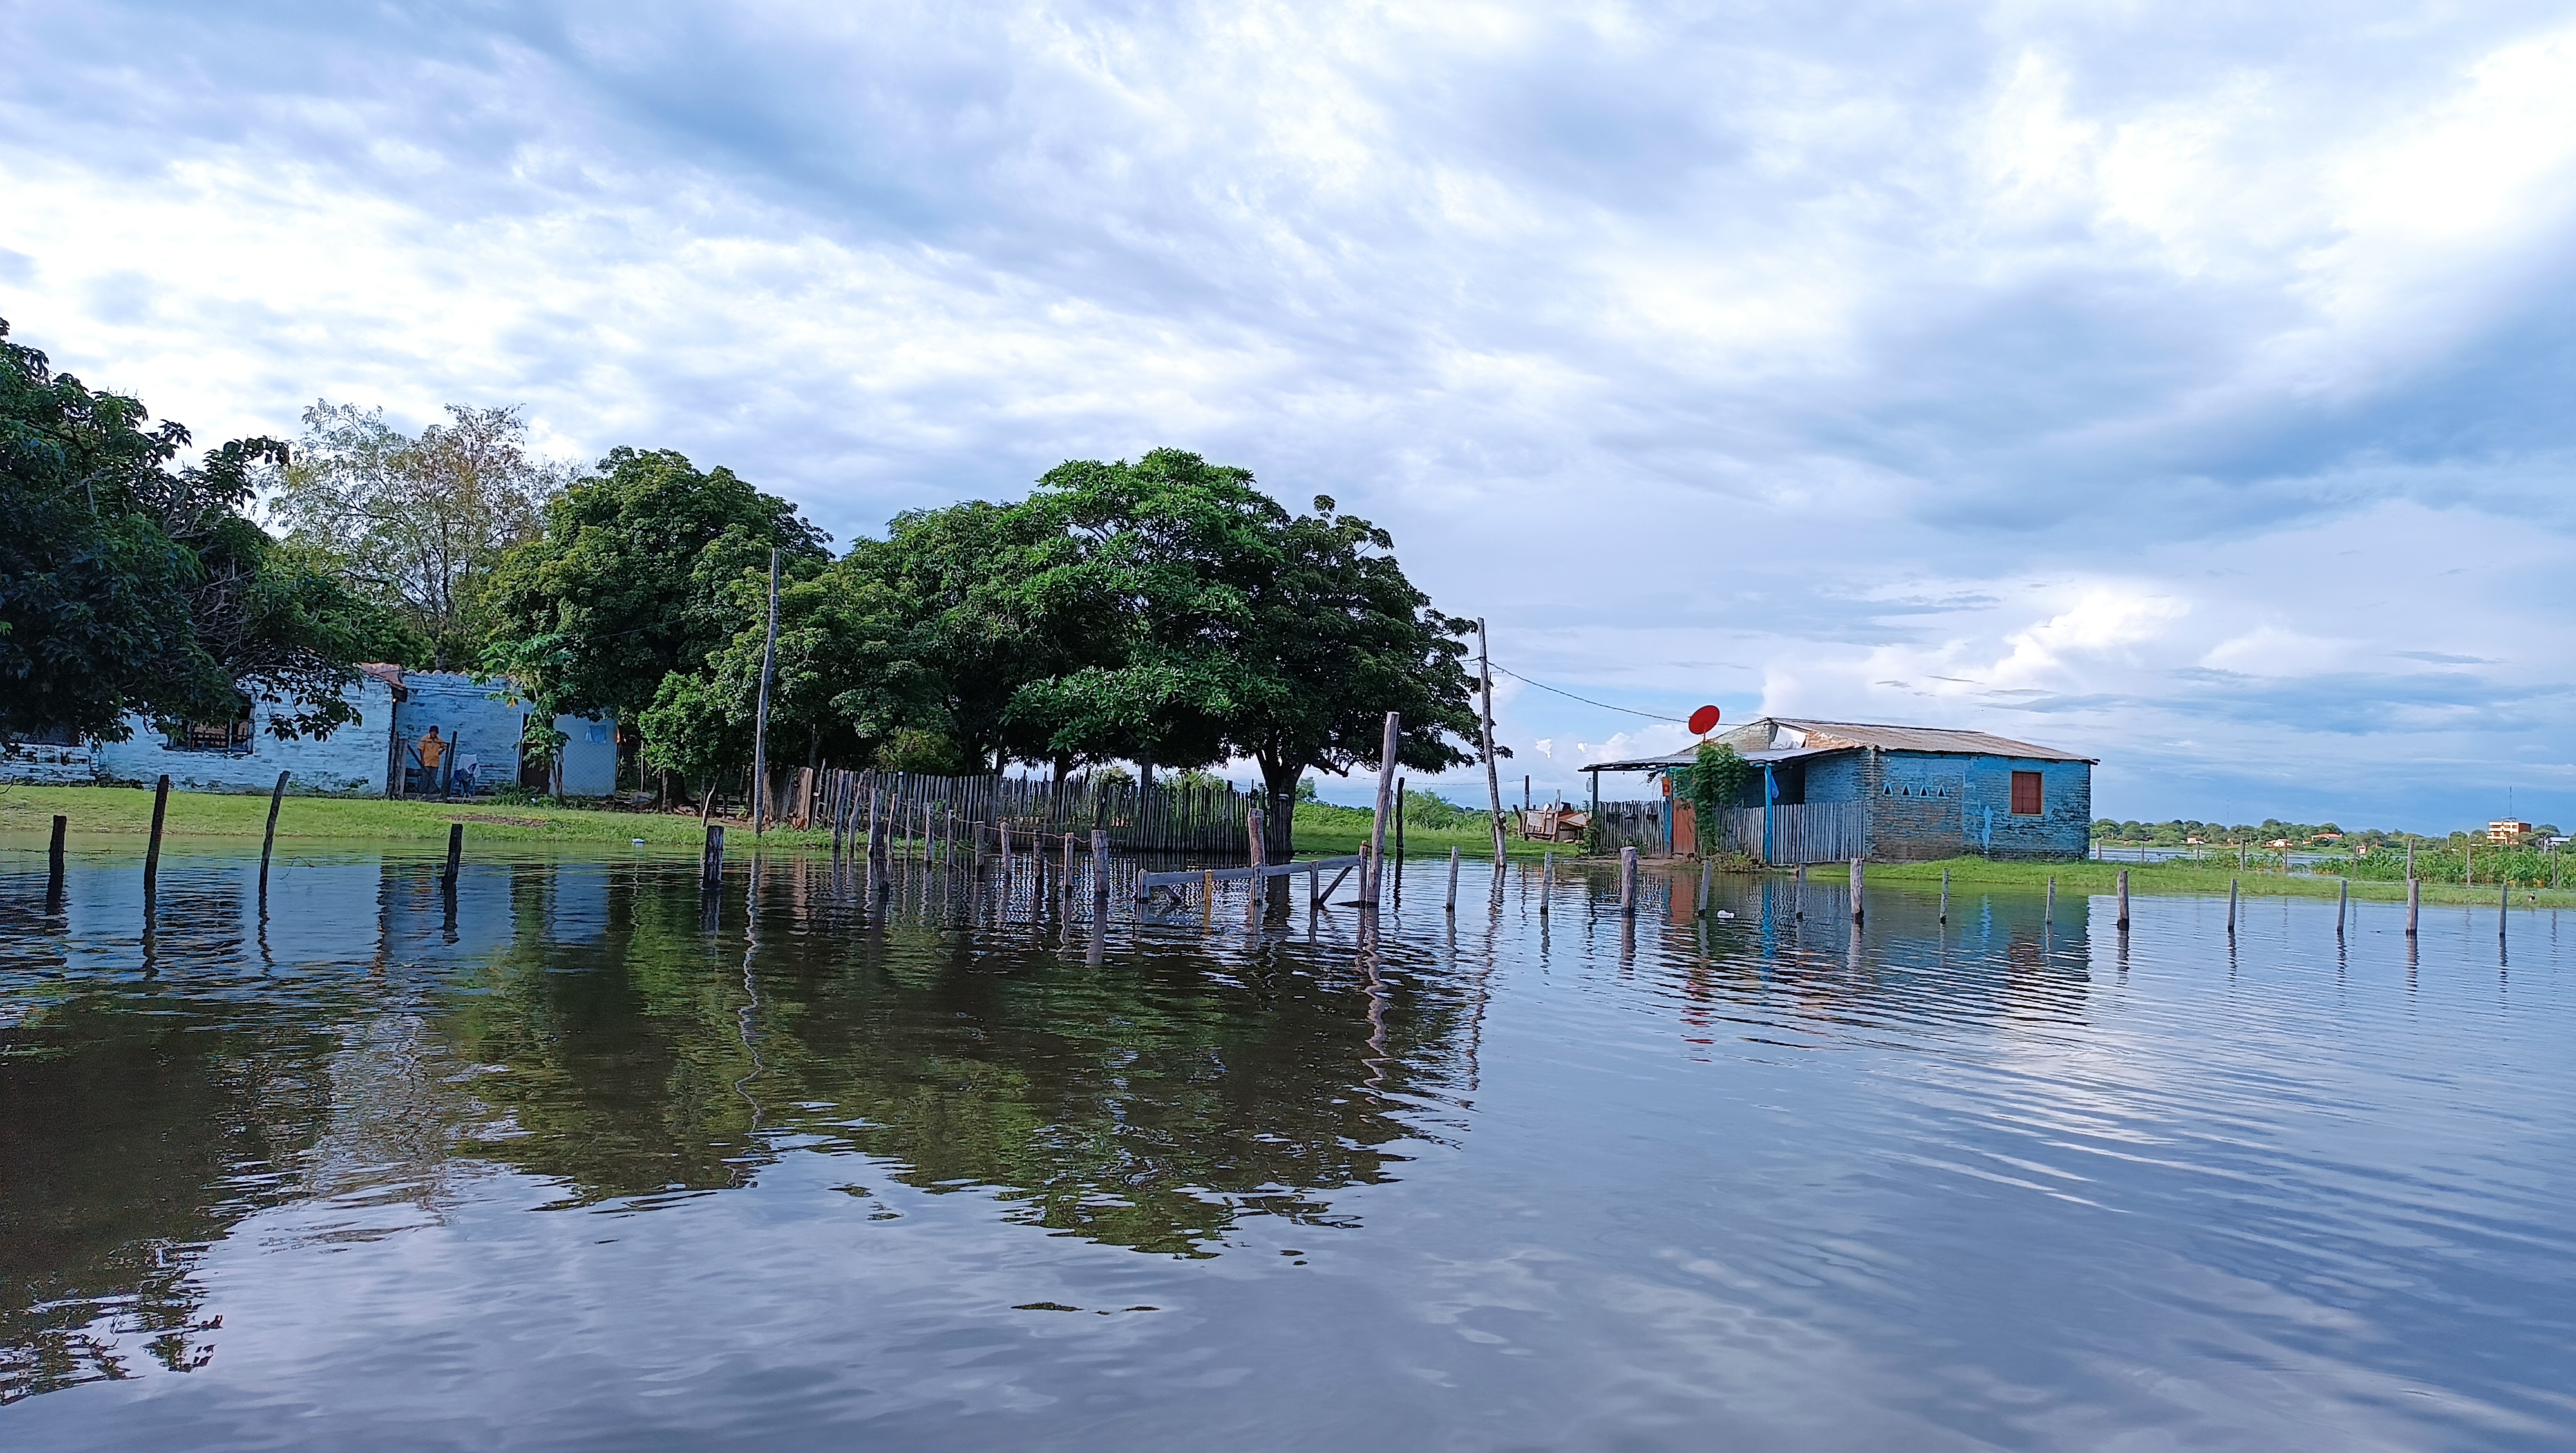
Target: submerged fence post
[
  {"x": 2504, "y": 905},
  {"x": 2231, "y": 910},
  {"x": 1855, "y": 890},
  {"x": 1945, "y": 895},
  {"x": 1100, "y": 865},
  {"x": 2123, "y": 924},
  {"x": 1706, "y": 870},
  {"x": 1628, "y": 881},
  {"x": 1452, "y": 904},
  {"x": 455, "y": 851},
  {"x": 2343, "y": 903},
  {"x": 711, "y": 859},
  {"x": 2414, "y": 902},
  {"x": 152, "y": 853},
  {"x": 268, "y": 841},
  {"x": 54, "y": 865},
  {"x": 2048, "y": 913},
  {"x": 1546, "y": 881}
]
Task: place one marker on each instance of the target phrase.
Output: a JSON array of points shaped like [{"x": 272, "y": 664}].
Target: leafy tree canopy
[
  {"x": 417, "y": 523},
  {"x": 633, "y": 578},
  {"x": 130, "y": 586}
]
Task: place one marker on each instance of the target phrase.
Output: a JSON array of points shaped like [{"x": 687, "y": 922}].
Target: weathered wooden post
[
  {"x": 268, "y": 841},
  {"x": 2504, "y": 903},
  {"x": 455, "y": 851},
  {"x": 1485, "y": 726},
  {"x": 2231, "y": 907},
  {"x": 1546, "y": 881},
  {"x": 1452, "y": 905},
  {"x": 2343, "y": 903},
  {"x": 2123, "y": 923},
  {"x": 152, "y": 851},
  {"x": 2048, "y": 913},
  {"x": 1628, "y": 881},
  {"x": 1374, "y": 865},
  {"x": 1064, "y": 875},
  {"x": 1399, "y": 827},
  {"x": 1856, "y": 892},
  {"x": 1945, "y": 895},
  {"x": 1707, "y": 869},
  {"x": 711, "y": 859},
  {"x": 760, "y": 722},
  {"x": 2414, "y": 902},
  {"x": 1100, "y": 865},
  {"x": 54, "y": 865}
]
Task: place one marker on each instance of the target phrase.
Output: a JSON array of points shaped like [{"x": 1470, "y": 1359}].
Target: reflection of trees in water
[
  {"x": 1144, "y": 1102},
  {"x": 129, "y": 1140}
]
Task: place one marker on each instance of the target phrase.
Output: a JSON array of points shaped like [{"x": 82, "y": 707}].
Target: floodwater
[{"x": 565, "y": 1166}]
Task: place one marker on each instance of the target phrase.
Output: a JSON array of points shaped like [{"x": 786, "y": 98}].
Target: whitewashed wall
[{"x": 351, "y": 761}]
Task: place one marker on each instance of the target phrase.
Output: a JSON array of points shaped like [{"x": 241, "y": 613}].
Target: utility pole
[
  {"x": 1493, "y": 777},
  {"x": 760, "y": 726}
]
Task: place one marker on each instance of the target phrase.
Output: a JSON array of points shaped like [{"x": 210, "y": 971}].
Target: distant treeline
[
  {"x": 2181, "y": 832},
  {"x": 1164, "y": 612}
]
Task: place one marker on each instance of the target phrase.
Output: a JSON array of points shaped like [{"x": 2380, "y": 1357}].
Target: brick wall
[
  {"x": 349, "y": 762},
  {"x": 2063, "y": 828},
  {"x": 1915, "y": 801}
]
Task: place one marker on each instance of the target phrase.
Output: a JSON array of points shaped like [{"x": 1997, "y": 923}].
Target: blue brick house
[{"x": 1827, "y": 791}]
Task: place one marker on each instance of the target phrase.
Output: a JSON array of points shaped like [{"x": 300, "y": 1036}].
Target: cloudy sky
[{"x": 2184, "y": 384}]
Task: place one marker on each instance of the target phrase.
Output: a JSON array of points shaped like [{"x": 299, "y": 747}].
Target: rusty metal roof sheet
[{"x": 1921, "y": 739}]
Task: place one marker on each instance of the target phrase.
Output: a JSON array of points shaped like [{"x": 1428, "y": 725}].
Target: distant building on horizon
[
  {"x": 1829, "y": 791},
  {"x": 2507, "y": 831}
]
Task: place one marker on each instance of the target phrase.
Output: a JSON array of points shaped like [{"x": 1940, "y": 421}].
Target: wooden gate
[{"x": 1802, "y": 832}]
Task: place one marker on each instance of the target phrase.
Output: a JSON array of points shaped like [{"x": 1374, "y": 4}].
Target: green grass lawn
[{"x": 127, "y": 812}]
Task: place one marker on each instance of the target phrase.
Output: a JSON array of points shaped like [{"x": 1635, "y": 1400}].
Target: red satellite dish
[{"x": 1703, "y": 721}]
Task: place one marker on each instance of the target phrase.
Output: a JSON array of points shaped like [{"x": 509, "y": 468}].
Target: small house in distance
[{"x": 1829, "y": 791}]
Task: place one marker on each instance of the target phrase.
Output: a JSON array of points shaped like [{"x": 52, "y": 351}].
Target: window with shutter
[{"x": 2025, "y": 794}]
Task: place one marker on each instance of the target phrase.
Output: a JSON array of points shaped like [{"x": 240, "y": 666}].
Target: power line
[{"x": 1588, "y": 701}]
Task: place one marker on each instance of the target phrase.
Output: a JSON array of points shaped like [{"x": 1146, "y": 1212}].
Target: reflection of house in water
[
  {"x": 480, "y": 725},
  {"x": 2000, "y": 956}
]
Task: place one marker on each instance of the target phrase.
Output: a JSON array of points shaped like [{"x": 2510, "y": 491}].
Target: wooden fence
[
  {"x": 1202, "y": 821},
  {"x": 1805, "y": 832},
  {"x": 1638, "y": 825}
]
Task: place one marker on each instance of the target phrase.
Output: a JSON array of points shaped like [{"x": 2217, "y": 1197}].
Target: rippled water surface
[{"x": 569, "y": 1165}]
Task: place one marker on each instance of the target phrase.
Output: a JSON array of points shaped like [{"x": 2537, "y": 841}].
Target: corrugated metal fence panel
[{"x": 1803, "y": 832}]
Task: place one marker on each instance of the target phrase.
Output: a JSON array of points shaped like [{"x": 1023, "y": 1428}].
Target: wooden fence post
[
  {"x": 1945, "y": 895},
  {"x": 1375, "y": 864},
  {"x": 2231, "y": 908},
  {"x": 1855, "y": 890},
  {"x": 1100, "y": 865},
  {"x": 2123, "y": 924},
  {"x": 152, "y": 852},
  {"x": 1628, "y": 881},
  {"x": 2343, "y": 903},
  {"x": 1707, "y": 868},
  {"x": 54, "y": 865},
  {"x": 1453, "y": 882},
  {"x": 2414, "y": 902},
  {"x": 711, "y": 859},
  {"x": 2048, "y": 912},
  {"x": 455, "y": 851},
  {"x": 268, "y": 841}
]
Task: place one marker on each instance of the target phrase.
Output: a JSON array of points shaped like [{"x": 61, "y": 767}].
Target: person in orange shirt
[{"x": 432, "y": 752}]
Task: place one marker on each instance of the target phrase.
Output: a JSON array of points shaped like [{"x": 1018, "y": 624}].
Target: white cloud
[{"x": 2083, "y": 373}]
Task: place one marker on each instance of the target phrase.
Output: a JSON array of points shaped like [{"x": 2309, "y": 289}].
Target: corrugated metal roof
[
  {"x": 1921, "y": 739},
  {"x": 1817, "y": 737}
]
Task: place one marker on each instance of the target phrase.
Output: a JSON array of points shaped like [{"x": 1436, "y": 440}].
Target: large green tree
[
  {"x": 418, "y": 522},
  {"x": 1244, "y": 631},
  {"x": 128, "y": 585},
  {"x": 633, "y": 578}
]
